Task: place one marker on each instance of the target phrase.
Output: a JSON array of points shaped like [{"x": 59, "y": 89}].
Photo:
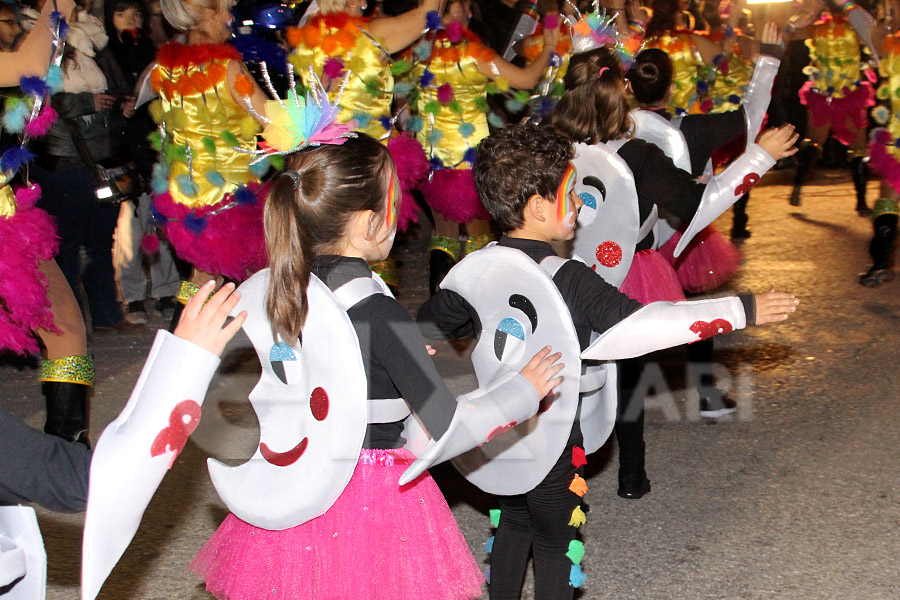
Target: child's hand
[
  {"x": 431, "y": 351},
  {"x": 551, "y": 37},
  {"x": 779, "y": 141},
  {"x": 540, "y": 371},
  {"x": 202, "y": 325},
  {"x": 774, "y": 306}
]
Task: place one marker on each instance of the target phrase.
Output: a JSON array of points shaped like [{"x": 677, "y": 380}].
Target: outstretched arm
[
  {"x": 33, "y": 55},
  {"x": 399, "y": 32}
]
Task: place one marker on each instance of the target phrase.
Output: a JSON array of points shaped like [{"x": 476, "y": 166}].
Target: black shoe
[
  {"x": 875, "y": 277},
  {"x": 864, "y": 211},
  {"x": 713, "y": 408},
  {"x": 440, "y": 264},
  {"x": 633, "y": 485},
  {"x": 795, "y": 197},
  {"x": 740, "y": 234},
  {"x": 135, "y": 313},
  {"x": 67, "y": 410},
  {"x": 166, "y": 306}
]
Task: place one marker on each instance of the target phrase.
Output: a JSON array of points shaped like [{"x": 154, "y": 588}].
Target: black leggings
[{"x": 538, "y": 521}]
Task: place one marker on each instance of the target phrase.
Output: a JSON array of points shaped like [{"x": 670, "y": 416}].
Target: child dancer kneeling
[
  {"x": 526, "y": 180},
  {"x": 331, "y": 213}
]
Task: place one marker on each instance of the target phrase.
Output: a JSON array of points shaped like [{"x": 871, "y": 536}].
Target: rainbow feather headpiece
[
  {"x": 598, "y": 28},
  {"x": 298, "y": 122}
]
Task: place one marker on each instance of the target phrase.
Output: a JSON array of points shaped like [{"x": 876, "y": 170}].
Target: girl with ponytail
[{"x": 331, "y": 212}]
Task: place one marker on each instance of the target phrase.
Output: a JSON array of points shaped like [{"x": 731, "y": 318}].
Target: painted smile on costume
[{"x": 564, "y": 211}]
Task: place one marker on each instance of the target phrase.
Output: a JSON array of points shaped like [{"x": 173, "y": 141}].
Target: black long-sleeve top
[
  {"x": 594, "y": 304},
  {"x": 393, "y": 351},
  {"x": 659, "y": 182},
  {"x": 705, "y": 134}
]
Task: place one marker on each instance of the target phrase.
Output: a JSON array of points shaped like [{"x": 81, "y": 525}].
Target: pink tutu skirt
[
  {"x": 651, "y": 279},
  {"x": 707, "y": 263},
  {"x": 378, "y": 541}
]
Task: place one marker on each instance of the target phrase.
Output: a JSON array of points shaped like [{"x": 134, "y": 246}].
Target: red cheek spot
[
  {"x": 183, "y": 420},
  {"x": 609, "y": 254},
  {"x": 318, "y": 404}
]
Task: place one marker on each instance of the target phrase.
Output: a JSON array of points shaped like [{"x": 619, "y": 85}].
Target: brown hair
[
  {"x": 307, "y": 212},
  {"x": 594, "y": 108},
  {"x": 515, "y": 163}
]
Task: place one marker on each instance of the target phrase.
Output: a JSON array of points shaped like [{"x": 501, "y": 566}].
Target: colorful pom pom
[
  {"x": 469, "y": 155},
  {"x": 209, "y": 144},
  {"x": 577, "y": 576},
  {"x": 215, "y": 178},
  {"x": 577, "y": 519},
  {"x": 372, "y": 87},
  {"x": 230, "y": 139},
  {"x": 186, "y": 185},
  {"x": 14, "y": 118},
  {"x": 422, "y": 51},
  {"x": 13, "y": 159},
  {"x": 400, "y": 67},
  {"x": 277, "y": 162},
  {"x": 260, "y": 168},
  {"x": 150, "y": 243},
  {"x": 54, "y": 79},
  {"x": 551, "y": 21},
  {"x": 362, "y": 119},
  {"x": 386, "y": 122},
  {"x": 243, "y": 86},
  {"x": 495, "y": 517},
  {"x": 415, "y": 124},
  {"x": 249, "y": 127},
  {"x": 34, "y": 86},
  {"x": 579, "y": 459},
  {"x": 426, "y": 78},
  {"x": 496, "y": 121},
  {"x": 401, "y": 88},
  {"x": 445, "y": 93},
  {"x": 466, "y": 129},
  {"x": 489, "y": 545},
  {"x": 454, "y": 32},
  {"x": 194, "y": 224},
  {"x": 27, "y": 196},
  {"x": 578, "y": 486},
  {"x": 433, "y": 107},
  {"x": 334, "y": 68},
  {"x": 435, "y": 136},
  {"x": 481, "y": 104},
  {"x": 513, "y": 106},
  {"x": 432, "y": 20},
  {"x": 575, "y": 552},
  {"x": 41, "y": 124},
  {"x": 244, "y": 196}
]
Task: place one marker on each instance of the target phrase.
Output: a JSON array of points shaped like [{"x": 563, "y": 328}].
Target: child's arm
[{"x": 447, "y": 315}]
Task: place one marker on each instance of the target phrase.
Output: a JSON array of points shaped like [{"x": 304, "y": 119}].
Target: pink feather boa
[
  {"x": 451, "y": 192},
  {"x": 827, "y": 110},
  {"x": 412, "y": 168},
  {"x": 232, "y": 243},
  {"x": 881, "y": 159},
  {"x": 26, "y": 239}
]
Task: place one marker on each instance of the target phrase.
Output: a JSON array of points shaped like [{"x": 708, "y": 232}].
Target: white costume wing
[{"x": 22, "y": 556}]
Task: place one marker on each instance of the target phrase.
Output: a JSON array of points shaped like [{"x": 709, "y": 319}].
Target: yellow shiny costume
[
  {"x": 551, "y": 85},
  {"x": 834, "y": 57},
  {"x": 333, "y": 44},
  {"x": 883, "y": 152},
  {"x": 7, "y": 200},
  {"x": 204, "y": 183},
  {"x": 452, "y": 105},
  {"x": 689, "y": 71},
  {"x": 732, "y": 78},
  {"x": 836, "y": 93}
]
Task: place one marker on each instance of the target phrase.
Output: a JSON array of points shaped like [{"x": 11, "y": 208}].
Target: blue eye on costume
[
  {"x": 280, "y": 354},
  {"x": 507, "y": 327},
  {"x": 588, "y": 200}
]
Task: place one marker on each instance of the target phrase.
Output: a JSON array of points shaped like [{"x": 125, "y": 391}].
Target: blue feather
[
  {"x": 54, "y": 79},
  {"x": 194, "y": 224},
  {"x": 244, "y": 196},
  {"x": 386, "y": 122},
  {"x": 33, "y": 86},
  {"x": 14, "y": 158},
  {"x": 260, "y": 168},
  {"x": 435, "y": 163},
  {"x": 187, "y": 185},
  {"x": 415, "y": 124},
  {"x": 432, "y": 20},
  {"x": 426, "y": 78},
  {"x": 469, "y": 156},
  {"x": 215, "y": 178},
  {"x": 576, "y": 576},
  {"x": 157, "y": 219},
  {"x": 14, "y": 119}
]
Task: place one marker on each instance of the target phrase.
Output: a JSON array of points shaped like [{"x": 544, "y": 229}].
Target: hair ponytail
[{"x": 306, "y": 215}]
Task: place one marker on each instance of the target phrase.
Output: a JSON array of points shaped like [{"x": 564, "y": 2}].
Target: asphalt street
[{"x": 797, "y": 496}]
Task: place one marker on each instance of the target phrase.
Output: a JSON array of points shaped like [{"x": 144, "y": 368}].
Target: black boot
[
  {"x": 176, "y": 316},
  {"x": 739, "y": 229},
  {"x": 633, "y": 482},
  {"x": 881, "y": 247},
  {"x": 67, "y": 410},
  {"x": 860, "y": 178},
  {"x": 444, "y": 254},
  {"x": 806, "y": 159}
]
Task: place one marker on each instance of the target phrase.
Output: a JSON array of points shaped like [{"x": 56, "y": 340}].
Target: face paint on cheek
[{"x": 565, "y": 212}]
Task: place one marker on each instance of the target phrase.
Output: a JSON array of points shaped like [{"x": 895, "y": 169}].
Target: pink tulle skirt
[
  {"x": 451, "y": 192},
  {"x": 378, "y": 541},
  {"x": 707, "y": 263},
  {"x": 228, "y": 242},
  {"x": 828, "y": 110},
  {"x": 26, "y": 239},
  {"x": 651, "y": 279},
  {"x": 882, "y": 159}
]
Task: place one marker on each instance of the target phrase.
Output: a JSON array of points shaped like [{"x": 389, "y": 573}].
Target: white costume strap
[
  {"x": 666, "y": 324},
  {"x": 758, "y": 94},
  {"x": 12, "y": 561},
  {"x": 380, "y": 410},
  {"x": 552, "y": 264},
  {"x": 22, "y": 555},
  {"x": 649, "y": 223},
  {"x": 725, "y": 189}
]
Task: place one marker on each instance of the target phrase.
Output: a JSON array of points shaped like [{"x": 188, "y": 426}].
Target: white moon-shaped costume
[
  {"x": 521, "y": 311},
  {"x": 609, "y": 223},
  {"x": 22, "y": 554},
  {"x": 311, "y": 405}
]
